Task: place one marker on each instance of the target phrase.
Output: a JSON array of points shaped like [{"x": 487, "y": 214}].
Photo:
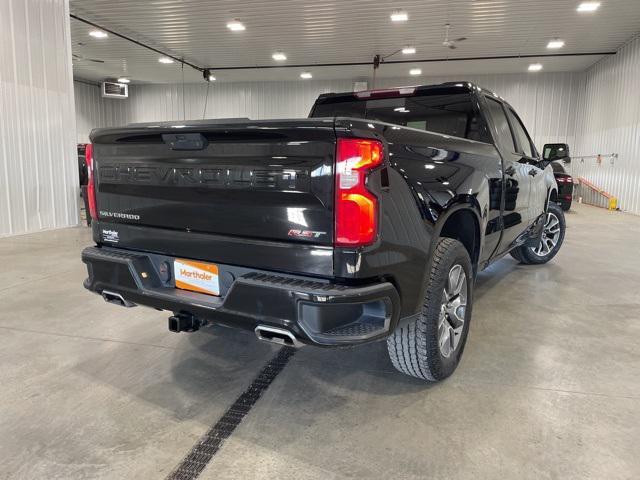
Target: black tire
[
  {"x": 528, "y": 256},
  {"x": 414, "y": 348},
  {"x": 515, "y": 253}
]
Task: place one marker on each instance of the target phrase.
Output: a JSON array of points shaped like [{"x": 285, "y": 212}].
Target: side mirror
[{"x": 556, "y": 151}]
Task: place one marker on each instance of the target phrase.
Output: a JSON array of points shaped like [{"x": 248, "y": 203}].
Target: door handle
[
  {"x": 533, "y": 172},
  {"x": 510, "y": 170}
]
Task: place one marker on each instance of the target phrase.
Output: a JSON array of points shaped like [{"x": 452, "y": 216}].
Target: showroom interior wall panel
[
  {"x": 609, "y": 115},
  {"x": 546, "y": 102},
  {"x": 38, "y": 166},
  {"x": 93, "y": 111},
  {"x": 256, "y": 100}
]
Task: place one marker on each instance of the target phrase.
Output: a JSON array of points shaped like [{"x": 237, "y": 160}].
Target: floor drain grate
[{"x": 202, "y": 453}]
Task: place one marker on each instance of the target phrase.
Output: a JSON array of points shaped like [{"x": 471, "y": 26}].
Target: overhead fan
[
  {"x": 77, "y": 58},
  {"x": 451, "y": 43}
]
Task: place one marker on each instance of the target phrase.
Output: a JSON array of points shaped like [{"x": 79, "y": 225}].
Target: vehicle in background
[
  {"x": 557, "y": 154},
  {"x": 367, "y": 221},
  {"x": 83, "y": 179},
  {"x": 565, "y": 185}
]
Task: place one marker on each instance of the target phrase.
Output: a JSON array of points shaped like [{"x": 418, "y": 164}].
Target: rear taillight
[
  {"x": 356, "y": 207},
  {"x": 91, "y": 184},
  {"x": 566, "y": 179}
]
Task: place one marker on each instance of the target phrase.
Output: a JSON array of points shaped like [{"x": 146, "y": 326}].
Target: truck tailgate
[{"x": 269, "y": 180}]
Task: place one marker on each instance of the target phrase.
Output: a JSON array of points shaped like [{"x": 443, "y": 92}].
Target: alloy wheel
[
  {"x": 550, "y": 236},
  {"x": 452, "y": 311}
]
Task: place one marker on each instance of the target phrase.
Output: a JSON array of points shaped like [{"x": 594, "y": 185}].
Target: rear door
[
  {"x": 517, "y": 181},
  {"x": 529, "y": 157},
  {"x": 269, "y": 180}
]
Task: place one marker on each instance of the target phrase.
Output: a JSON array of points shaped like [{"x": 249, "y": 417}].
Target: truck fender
[{"x": 469, "y": 204}]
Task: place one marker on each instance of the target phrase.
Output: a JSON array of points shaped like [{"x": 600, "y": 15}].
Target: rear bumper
[
  {"x": 565, "y": 203},
  {"x": 315, "y": 311},
  {"x": 565, "y": 194}
]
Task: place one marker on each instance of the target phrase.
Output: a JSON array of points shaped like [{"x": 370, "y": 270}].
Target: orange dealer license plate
[{"x": 196, "y": 276}]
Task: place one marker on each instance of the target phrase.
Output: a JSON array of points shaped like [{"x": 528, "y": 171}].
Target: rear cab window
[{"x": 449, "y": 111}]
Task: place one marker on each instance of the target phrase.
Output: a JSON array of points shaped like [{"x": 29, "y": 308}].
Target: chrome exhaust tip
[
  {"x": 116, "y": 299},
  {"x": 279, "y": 336}
]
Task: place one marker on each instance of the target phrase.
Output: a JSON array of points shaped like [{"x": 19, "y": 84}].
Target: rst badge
[{"x": 294, "y": 232}]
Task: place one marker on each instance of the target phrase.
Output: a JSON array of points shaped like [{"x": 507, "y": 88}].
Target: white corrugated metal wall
[
  {"x": 38, "y": 166},
  {"x": 93, "y": 111},
  {"x": 546, "y": 102},
  {"x": 148, "y": 103},
  {"x": 594, "y": 111},
  {"x": 609, "y": 122},
  {"x": 256, "y": 100}
]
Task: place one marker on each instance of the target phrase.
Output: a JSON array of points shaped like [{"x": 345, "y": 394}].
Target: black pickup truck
[{"x": 369, "y": 220}]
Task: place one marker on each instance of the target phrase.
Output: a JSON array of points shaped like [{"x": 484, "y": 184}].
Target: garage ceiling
[{"x": 339, "y": 32}]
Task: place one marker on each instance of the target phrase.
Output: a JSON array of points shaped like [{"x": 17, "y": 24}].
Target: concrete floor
[{"x": 549, "y": 386}]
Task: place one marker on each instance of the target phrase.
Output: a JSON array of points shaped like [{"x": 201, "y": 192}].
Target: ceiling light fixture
[
  {"x": 409, "y": 50},
  {"x": 555, "y": 44},
  {"x": 415, "y": 71},
  {"x": 236, "y": 25},
  {"x": 279, "y": 56},
  {"x": 165, "y": 60},
  {"x": 588, "y": 6},
  {"x": 399, "y": 16},
  {"x": 306, "y": 75},
  {"x": 535, "y": 67},
  {"x": 123, "y": 80},
  {"x": 98, "y": 34}
]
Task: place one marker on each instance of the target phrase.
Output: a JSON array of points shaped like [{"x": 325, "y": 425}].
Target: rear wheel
[
  {"x": 431, "y": 346},
  {"x": 550, "y": 242}
]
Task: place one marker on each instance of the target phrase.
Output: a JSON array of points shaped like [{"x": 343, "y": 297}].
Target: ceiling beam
[{"x": 426, "y": 60}]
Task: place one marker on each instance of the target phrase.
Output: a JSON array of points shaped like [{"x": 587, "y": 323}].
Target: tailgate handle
[{"x": 185, "y": 141}]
